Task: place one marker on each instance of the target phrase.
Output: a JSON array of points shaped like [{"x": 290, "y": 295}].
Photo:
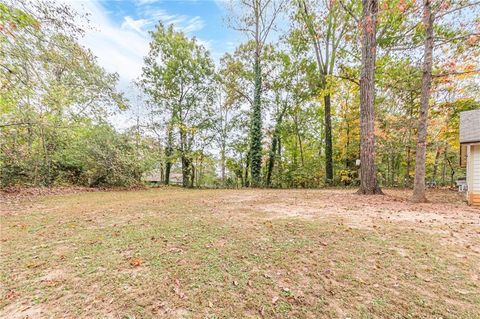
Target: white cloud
[
  {"x": 121, "y": 45},
  {"x": 119, "y": 48},
  {"x": 137, "y": 25},
  {"x": 151, "y": 17},
  {"x": 194, "y": 24},
  {"x": 181, "y": 22}
]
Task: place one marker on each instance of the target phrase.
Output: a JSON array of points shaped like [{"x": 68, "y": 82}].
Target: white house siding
[
  {"x": 475, "y": 153},
  {"x": 473, "y": 174},
  {"x": 470, "y": 136},
  {"x": 469, "y": 168}
]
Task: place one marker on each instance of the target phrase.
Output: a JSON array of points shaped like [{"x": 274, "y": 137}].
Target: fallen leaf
[
  {"x": 10, "y": 294},
  {"x": 136, "y": 262}
]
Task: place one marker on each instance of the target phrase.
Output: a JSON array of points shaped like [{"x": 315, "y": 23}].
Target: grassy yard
[{"x": 175, "y": 253}]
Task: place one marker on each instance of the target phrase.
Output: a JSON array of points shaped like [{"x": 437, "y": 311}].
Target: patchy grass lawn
[{"x": 177, "y": 253}]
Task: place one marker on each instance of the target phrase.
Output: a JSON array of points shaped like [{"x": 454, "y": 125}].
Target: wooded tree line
[
  {"x": 55, "y": 101},
  {"x": 317, "y": 88}
]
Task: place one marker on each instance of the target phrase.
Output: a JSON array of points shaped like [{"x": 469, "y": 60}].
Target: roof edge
[{"x": 470, "y": 142}]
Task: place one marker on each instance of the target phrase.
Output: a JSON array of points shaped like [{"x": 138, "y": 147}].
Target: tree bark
[
  {"x": 325, "y": 68},
  {"x": 256, "y": 119},
  {"x": 193, "y": 175},
  {"x": 222, "y": 156},
  {"x": 186, "y": 161},
  {"x": 419, "y": 185},
  {"x": 452, "y": 174},
  {"x": 256, "y": 127},
  {"x": 271, "y": 159},
  {"x": 435, "y": 164},
  {"x": 368, "y": 171},
  {"x": 299, "y": 139},
  {"x": 445, "y": 157},
  {"x": 407, "y": 170},
  {"x": 186, "y": 171},
  {"x": 168, "y": 154},
  {"x": 328, "y": 140},
  {"x": 275, "y": 142},
  {"x": 224, "y": 145},
  {"x": 347, "y": 147},
  {"x": 247, "y": 166}
]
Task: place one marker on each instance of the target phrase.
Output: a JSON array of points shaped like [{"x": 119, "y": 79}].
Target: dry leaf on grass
[
  {"x": 136, "y": 262},
  {"x": 11, "y": 294}
]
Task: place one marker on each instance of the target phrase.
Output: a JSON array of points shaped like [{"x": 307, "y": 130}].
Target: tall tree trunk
[
  {"x": 186, "y": 171},
  {"x": 300, "y": 146},
  {"x": 325, "y": 68},
  {"x": 407, "y": 170},
  {"x": 256, "y": 127},
  {"x": 435, "y": 164},
  {"x": 388, "y": 170},
  {"x": 193, "y": 175},
  {"x": 394, "y": 168},
  {"x": 347, "y": 147},
  {"x": 224, "y": 145},
  {"x": 256, "y": 120},
  {"x": 445, "y": 158},
  {"x": 46, "y": 158},
  {"x": 271, "y": 158},
  {"x": 168, "y": 155},
  {"x": 186, "y": 161},
  {"x": 275, "y": 142},
  {"x": 409, "y": 145},
  {"x": 239, "y": 173},
  {"x": 419, "y": 186},
  {"x": 222, "y": 155},
  {"x": 168, "y": 167},
  {"x": 368, "y": 171},
  {"x": 452, "y": 174},
  {"x": 299, "y": 140},
  {"x": 247, "y": 166},
  {"x": 328, "y": 140}
]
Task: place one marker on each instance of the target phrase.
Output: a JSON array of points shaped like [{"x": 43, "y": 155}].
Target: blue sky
[
  {"x": 118, "y": 33},
  {"x": 202, "y": 18}
]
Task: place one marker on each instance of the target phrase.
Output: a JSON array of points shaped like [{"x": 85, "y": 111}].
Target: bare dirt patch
[{"x": 445, "y": 214}]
